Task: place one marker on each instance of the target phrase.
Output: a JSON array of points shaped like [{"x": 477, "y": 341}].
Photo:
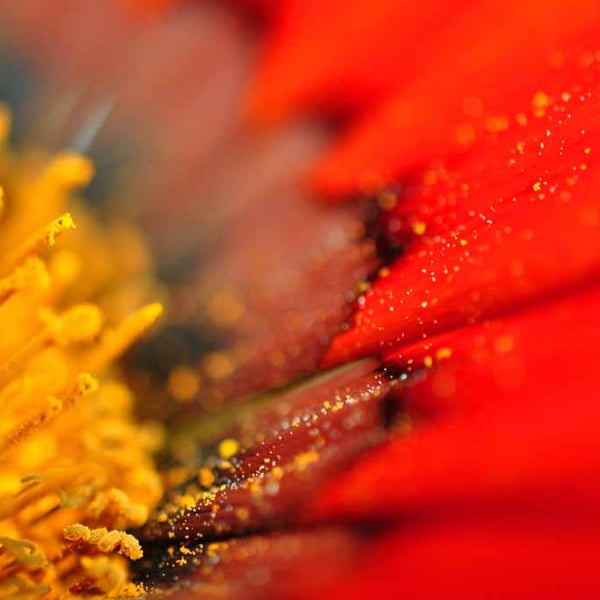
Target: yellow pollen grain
[
  {"x": 540, "y": 100},
  {"x": 443, "y": 353},
  {"x": 205, "y": 477},
  {"x": 228, "y": 448},
  {"x": 304, "y": 459},
  {"x": 362, "y": 287},
  {"x": 183, "y": 383},
  {"x": 419, "y": 228},
  {"x": 217, "y": 365},
  {"x": 105, "y": 540},
  {"x": 428, "y": 361},
  {"x": 242, "y": 513},
  {"x": 186, "y": 501},
  {"x": 225, "y": 308},
  {"x": 277, "y": 473}
]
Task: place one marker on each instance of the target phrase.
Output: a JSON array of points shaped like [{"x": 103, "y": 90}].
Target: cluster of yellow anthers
[{"x": 75, "y": 472}]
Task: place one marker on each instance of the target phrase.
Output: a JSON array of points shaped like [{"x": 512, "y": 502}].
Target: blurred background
[{"x": 158, "y": 98}]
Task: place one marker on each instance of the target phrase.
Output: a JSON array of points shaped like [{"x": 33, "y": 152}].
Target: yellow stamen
[
  {"x": 116, "y": 341},
  {"x": 76, "y": 470},
  {"x": 43, "y": 239}
]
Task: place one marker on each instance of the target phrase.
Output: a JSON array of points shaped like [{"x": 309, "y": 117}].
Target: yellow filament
[
  {"x": 43, "y": 239},
  {"x": 76, "y": 470},
  {"x": 116, "y": 341}
]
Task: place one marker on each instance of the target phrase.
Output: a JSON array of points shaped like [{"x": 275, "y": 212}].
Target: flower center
[{"x": 75, "y": 469}]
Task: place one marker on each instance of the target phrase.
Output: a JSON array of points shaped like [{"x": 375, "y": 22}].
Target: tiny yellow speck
[
  {"x": 183, "y": 383},
  {"x": 242, "y": 513},
  {"x": 217, "y": 365},
  {"x": 419, "y": 228},
  {"x": 443, "y": 353},
  {"x": 304, "y": 459},
  {"x": 228, "y": 448},
  {"x": 206, "y": 477},
  {"x": 186, "y": 501},
  {"x": 362, "y": 287},
  {"x": 540, "y": 100},
  {"x": 225, "y": 308},
  {"x": 277, "y": 472}
]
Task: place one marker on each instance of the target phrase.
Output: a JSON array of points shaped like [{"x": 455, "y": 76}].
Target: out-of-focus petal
[
  {"x": 331, "y": 53},
  {"x": 482, "y": 67},
  {"x": 472, "y": 559},
  {"x": 274, "y": 458}
]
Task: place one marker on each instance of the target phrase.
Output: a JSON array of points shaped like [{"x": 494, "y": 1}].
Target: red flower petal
[
  {"x": 482, "y": 559},
  {"x": 495, "y": 238},
  {"x": 508, "y": 423},
  {"x": 470, "y": 70},
  {"x": 322, "y": 52},
  {"x": 253, "y": 567},
  {"x": 282, "y": 453}
]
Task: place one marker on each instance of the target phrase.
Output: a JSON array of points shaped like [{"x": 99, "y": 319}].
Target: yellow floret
[{"x": 76, "y": 470}]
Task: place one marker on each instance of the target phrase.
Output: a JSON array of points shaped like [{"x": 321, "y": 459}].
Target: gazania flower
[{"x": 378, "y": 226}]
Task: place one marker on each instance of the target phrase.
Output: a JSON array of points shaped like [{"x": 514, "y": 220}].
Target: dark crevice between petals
[{"x": 259, "y": 473}]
